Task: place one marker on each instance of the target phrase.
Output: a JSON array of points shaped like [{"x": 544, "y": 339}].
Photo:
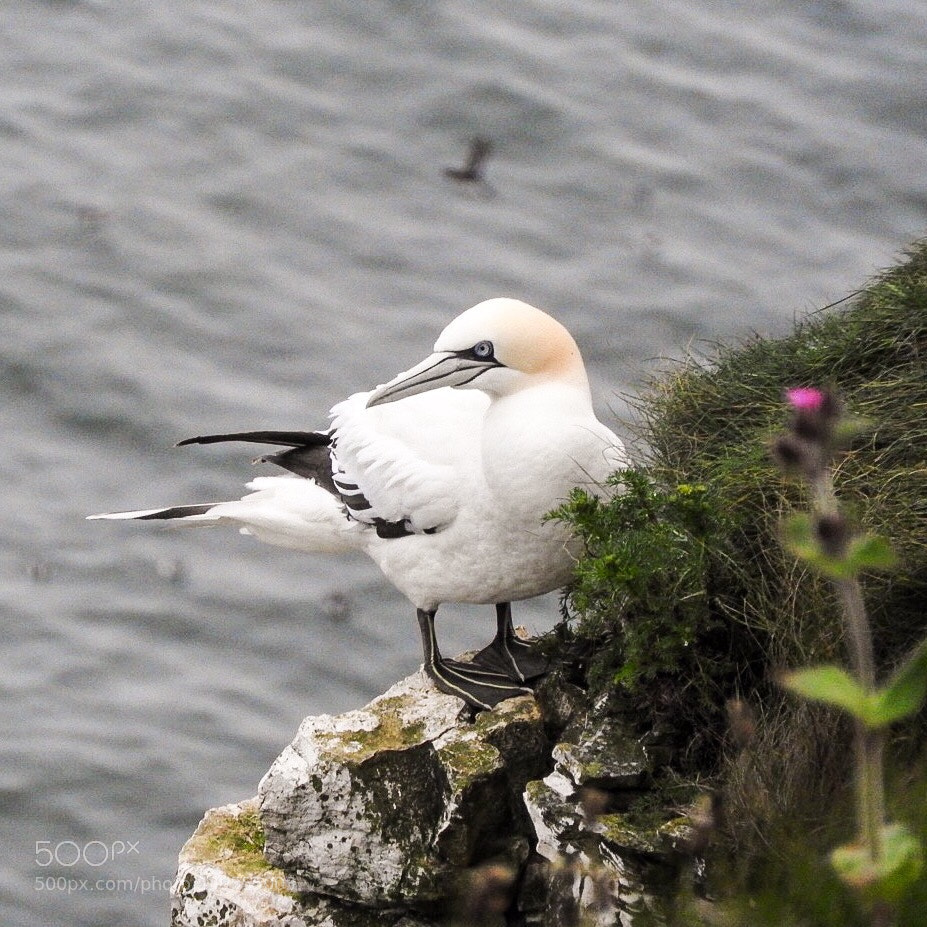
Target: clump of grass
[
  {"x": 745, "y": 606},
  {"x": 797, "y": 885},
  {"x": 233, "y": 840}
]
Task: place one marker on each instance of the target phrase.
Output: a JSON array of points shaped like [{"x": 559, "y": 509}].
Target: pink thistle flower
[{"x": 805, "y": 398}]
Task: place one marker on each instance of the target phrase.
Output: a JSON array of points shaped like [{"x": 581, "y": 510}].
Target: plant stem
[
  {"x": 870, "y": 744},
  {"x": 822, "y": 488},
  {"x": 883, "y": 915},
  {"x": 854, "y": 611}
]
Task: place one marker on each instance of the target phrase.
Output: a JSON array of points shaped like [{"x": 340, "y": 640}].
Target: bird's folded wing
[{"x": 413, "y": 461}]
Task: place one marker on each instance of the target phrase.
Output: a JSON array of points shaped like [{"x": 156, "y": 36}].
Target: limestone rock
[
  {"x": 557, "y": 820},
  {"x": 604, "y": 866},
  {"x": 606, "y": 755},
  {"x": 380, "y": 806},
  {"x": 561, "y": 701},
  {"x": 223, "y": 878},
  {"x": 372, "y": 818}
]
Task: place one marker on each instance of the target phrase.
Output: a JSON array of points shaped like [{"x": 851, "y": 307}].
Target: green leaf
[
  {"x": 626, "y": 674},
  {"x": 904, "y": 692},
  {"x": 829, "y": 684},
  {"x": 798, "y": 531},
  {"x": 888, "y": 877},
  {"x": 870, "y": 552},
  {"x": 864, "y": 552},
  {"x": 901, "y": 697},
  {"x": 799, "y": 537},
  {"x": 848, "y": 427}
]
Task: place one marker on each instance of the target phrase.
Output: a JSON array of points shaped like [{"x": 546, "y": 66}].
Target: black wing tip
[
  {"x": 177, "y": 511},
  {"x": 212, "y": 439},
  {"x": 285, "y": 438}
]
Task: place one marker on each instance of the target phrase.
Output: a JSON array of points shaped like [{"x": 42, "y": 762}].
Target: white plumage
[{"x": 443, "y": 477}]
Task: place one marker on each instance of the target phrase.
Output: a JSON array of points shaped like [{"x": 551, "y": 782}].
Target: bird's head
[{"x": 499, "y": 346}]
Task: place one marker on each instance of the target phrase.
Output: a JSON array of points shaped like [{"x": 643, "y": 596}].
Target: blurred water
[{"x": 225, "y": 215}]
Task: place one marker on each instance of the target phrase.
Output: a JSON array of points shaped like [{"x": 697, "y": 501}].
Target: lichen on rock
[
  {"x": 606, "y": 857},
  {"x": 382, "y": 805},
  {"x": 606, "y": 754}
]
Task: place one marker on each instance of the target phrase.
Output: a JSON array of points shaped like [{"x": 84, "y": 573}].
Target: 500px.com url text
[{"x": 138, "y": 885}]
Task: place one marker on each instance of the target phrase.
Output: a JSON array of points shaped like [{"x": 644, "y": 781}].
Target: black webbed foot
[
  {"x": 508, "y": 653},
  {"x": 515, "y": 657},
  {"x": 479, "y": 687}
]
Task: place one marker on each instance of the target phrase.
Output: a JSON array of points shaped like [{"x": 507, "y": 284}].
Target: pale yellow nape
[{"x": 525, "y": 339}]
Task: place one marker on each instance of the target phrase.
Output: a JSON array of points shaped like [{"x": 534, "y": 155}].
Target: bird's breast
[
  {"x": 526, "y": 458},
  {"x": 531, "y": 462}
]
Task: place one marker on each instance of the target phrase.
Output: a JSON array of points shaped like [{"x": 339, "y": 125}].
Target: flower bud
[
  {"x": 794, "y": 454},
  {"x": 485, "y": 893},
  {"x": 833, "y": 533},
  {"x": 593, "y": 803},
  {"x": 741, "y": 721},
  {"x": 805, "y": 398},
  {"x": 815, "y": 413}
]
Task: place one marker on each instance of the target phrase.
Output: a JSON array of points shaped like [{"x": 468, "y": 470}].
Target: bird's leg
[
  {"x": 508, "y": 653},
  {"x": 476, "y": 685}
]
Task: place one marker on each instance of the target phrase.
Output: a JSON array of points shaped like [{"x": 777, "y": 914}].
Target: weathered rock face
[
  {"x": 382, "y": 805},
  {"x": 223, "y": 878},
  {"x": 375, "y": 816},
  {"x": 224, "y": 881},
  {"x": 604, "y": 864}
]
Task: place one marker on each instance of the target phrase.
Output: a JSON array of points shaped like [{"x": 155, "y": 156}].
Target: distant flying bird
[
  {"x": 443, "y": 477},
  {"x": 472, "y": 169}
]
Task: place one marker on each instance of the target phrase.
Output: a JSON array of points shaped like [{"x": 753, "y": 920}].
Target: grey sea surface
[{"x": 224, "y": 215}]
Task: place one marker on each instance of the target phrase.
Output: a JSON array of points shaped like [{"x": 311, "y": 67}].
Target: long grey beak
[{"x": 446, "y": 368}]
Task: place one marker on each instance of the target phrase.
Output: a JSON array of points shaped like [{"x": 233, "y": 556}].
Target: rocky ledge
[{"x": 407, "y": 810}]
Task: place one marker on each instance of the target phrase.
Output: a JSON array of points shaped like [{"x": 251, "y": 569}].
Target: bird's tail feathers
[
  {"x": 284, "y": 438},
  {"x": 281, "y": 510}
]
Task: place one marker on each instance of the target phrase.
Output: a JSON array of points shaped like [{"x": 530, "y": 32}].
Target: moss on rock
[
  {"x": 386, "y": 729},
  {"x": 380, "y": 805},
  {"x": 232, "y": 839}
]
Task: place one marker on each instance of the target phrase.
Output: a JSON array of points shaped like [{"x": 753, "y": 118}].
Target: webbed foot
[
  {"x": 479, "y": 687},
  {"x": 508, "y": 653}
]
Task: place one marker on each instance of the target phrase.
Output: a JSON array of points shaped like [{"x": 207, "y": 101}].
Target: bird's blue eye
[{"x": 483, "y": 350}]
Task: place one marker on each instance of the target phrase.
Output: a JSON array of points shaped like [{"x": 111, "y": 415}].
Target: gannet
[{"x": 443, "y": 476}]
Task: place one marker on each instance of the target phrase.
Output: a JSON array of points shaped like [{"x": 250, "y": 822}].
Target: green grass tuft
[{"x": 684, "y": 601}]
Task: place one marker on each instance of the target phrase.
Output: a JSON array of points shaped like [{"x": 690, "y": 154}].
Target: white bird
[{"x": 443, "y": 477}]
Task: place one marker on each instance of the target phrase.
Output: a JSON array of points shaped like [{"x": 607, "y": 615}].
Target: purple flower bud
[
  {"x": 814, "y": 413},
  {"x": 805, "y": 398}
]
